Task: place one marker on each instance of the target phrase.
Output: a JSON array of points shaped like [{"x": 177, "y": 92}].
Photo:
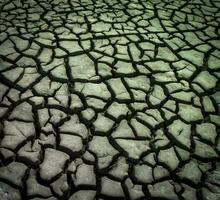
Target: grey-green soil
[{"x": 109, "y": 99}]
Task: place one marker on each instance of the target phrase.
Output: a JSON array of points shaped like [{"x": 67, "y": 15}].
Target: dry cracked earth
[{"x": 109, "y": 99}]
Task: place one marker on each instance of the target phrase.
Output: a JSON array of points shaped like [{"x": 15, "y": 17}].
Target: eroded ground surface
[{"x": 109, "y": 99}]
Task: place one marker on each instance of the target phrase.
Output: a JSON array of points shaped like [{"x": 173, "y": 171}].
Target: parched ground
[{"x": 109, "y": 99}]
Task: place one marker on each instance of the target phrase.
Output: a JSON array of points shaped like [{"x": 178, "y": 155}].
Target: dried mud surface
[{"x": 109, "y": 99}]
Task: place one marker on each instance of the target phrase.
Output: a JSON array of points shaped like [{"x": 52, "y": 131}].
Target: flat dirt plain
[{"x": 109, "y": 100}]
